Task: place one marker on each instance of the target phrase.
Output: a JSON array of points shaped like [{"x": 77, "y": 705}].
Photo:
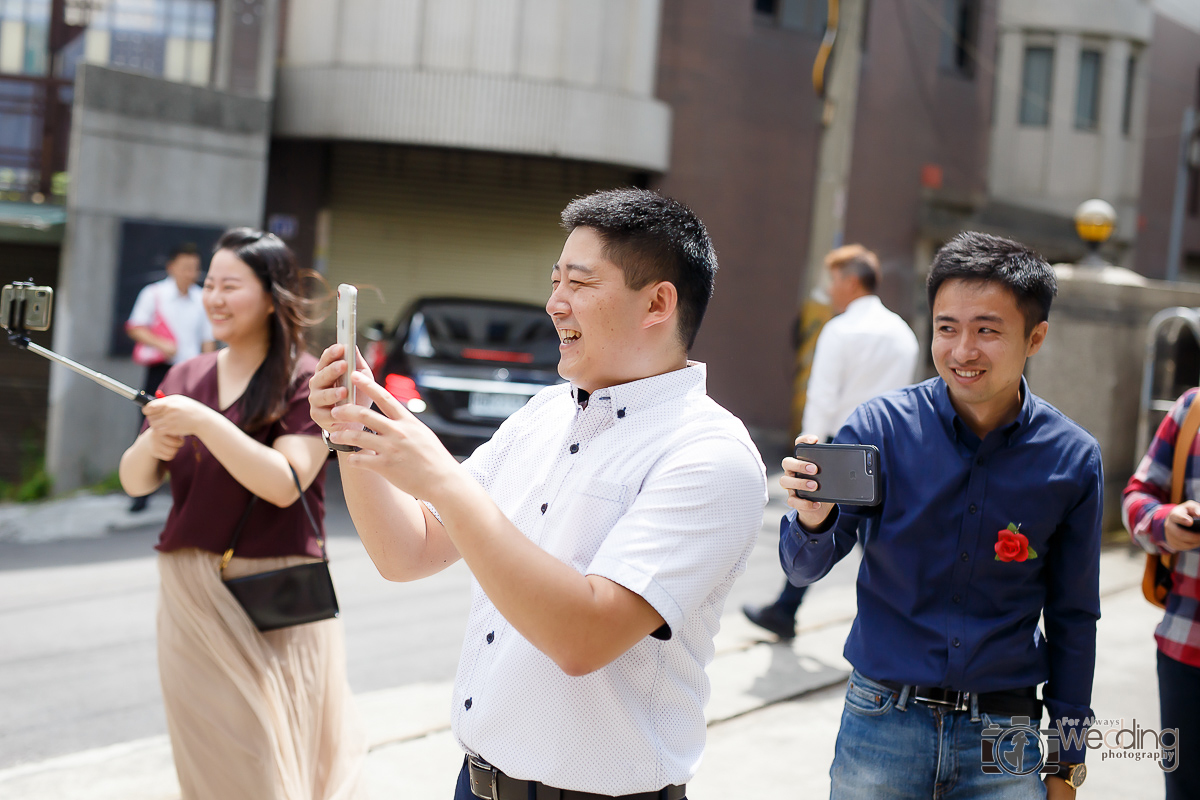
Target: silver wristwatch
[{"x": 335, "y": 447}]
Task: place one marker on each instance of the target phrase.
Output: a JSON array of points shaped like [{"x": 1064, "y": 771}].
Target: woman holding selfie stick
[{"x": 250, "y": 714}]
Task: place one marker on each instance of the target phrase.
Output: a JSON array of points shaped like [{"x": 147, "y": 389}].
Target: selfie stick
[{"x": 21, "y": 339}]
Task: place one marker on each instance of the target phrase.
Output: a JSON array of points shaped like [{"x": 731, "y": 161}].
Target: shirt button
[
  {"x": 957, "y": 599},
  {"x": 544, "y": 507},
  {"x": 971, "y": 508},
  {"x": 956, "y": 644},
  {"x": 467, "y": 704},
  {"x": 620, "y": 413},
  {"x": 574, "y": 449},
  {"x": 965, "y": 557},
  {"x": 491, "y": 637}
]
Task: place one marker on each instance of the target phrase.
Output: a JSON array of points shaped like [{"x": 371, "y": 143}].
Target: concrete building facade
[{"x": 419, "y": 147}]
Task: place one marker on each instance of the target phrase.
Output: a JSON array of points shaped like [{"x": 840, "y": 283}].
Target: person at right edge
[
  {"x": 1161, "y": 526},
  {"x": 989, "y": 520}
]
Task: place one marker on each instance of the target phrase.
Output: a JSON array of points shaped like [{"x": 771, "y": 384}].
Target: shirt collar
[
  {"x": 630, "y": 398},
  {"x": 864, "y": 303},
  {"x": 956, "y": 427}
]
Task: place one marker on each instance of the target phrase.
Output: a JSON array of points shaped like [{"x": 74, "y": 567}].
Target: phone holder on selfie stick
[{"x": 18, "y": 336}]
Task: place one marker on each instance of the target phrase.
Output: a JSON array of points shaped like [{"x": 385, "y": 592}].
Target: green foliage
[
  {"x": 34, "y": 483},
  {"x": 109, "y": 484}
]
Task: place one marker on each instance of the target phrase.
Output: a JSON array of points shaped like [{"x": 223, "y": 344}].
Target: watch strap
[{"x": 335, "y": 447}]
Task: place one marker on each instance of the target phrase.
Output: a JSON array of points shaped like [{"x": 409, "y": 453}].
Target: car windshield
[{"x": 510, "y": 334}]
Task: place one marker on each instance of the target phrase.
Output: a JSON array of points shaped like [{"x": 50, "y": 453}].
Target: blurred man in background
[
  {"x": 861, "y": 353},
  {"x": 168, "y": 323}
]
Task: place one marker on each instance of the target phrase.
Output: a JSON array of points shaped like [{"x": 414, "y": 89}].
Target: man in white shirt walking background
[
  {"x": 604, "y": 523},
  {"x": 168, "y": 323},
  {"x": 864, "y": 351}
]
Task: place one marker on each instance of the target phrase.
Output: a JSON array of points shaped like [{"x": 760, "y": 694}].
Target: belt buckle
[
  {"x": 961, "y": 702},
  {"x": 476, "y": 763}
]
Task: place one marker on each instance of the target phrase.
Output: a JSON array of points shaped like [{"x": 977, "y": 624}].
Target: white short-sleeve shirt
[
  {"x": 861, "y": 353},
  {"x": 184, "y": 315},
  {"x": 657, "y": 488}
]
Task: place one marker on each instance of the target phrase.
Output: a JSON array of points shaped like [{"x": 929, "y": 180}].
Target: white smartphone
[{"x": 347, "y": 333}]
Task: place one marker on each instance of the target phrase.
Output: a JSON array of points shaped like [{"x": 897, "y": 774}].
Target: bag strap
[
  {"x": 1183, "y": 448},
  {"x": 237, "y": 531}
]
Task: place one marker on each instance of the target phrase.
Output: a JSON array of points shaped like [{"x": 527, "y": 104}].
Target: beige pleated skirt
[{"x": 260, "y": 716}]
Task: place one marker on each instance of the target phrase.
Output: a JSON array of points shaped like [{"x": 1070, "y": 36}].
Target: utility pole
[{"x": 835, "y": 79}]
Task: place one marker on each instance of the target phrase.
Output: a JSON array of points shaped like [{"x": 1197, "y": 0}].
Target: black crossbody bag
[{"x": 289, "y": 596}]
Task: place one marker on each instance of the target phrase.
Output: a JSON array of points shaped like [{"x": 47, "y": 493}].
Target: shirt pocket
[
  {"x": 605, "y": 490},
  {"x": 594, "y": 508}
]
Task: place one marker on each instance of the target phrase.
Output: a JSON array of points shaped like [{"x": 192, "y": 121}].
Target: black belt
[
  {"x": 1012, "y": 702},
  {"x": 492, "y": 784}
]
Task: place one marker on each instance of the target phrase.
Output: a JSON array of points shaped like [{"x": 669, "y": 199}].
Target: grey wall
[
  {"x": 1090, "y": 367},
  {"x": 144, "y": 149}
]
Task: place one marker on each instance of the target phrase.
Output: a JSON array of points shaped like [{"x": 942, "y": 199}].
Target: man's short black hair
[
  {"x": 653, "y": 238},
  {"x": 976, "y": 256},
  {"x": 182, "y": 249}
]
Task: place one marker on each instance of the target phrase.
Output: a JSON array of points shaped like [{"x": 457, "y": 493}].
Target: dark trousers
[
  {"x": 790, "y": 598},
  {"x": 154, "y": 376},
  {"x": 1179, "y": 705},
  {"x": 462, "y": 791}
]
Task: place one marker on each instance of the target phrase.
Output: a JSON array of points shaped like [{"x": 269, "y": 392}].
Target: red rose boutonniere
[{"x": 1011, "y": 545}]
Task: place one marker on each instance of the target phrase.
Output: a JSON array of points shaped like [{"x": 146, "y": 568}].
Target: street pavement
[{"x": 80, "y": 714}]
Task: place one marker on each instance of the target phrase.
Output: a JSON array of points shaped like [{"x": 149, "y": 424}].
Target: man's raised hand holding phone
[{"x": 800, "y": 475}]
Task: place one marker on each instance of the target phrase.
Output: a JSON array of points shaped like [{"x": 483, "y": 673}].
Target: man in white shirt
[
  {"x": 864, "y": 351},
  {"x": 177, "y": 302},
  {"x": 604, "y": 523}
]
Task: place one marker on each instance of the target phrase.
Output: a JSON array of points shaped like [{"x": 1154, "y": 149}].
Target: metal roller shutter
[{"x": 415, "y": 222}]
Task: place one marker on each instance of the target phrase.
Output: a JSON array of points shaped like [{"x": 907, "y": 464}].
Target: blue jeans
[{"x": 891, "y": 747}]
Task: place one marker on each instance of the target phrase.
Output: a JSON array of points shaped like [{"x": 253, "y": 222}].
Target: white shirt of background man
[
  {"x": 861, "y": 353},
  {"x": 657, "y": 488},
  {"x": 184, "y": 315}
]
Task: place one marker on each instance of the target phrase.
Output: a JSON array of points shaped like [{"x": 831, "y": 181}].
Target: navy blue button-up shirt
[{"x": 935, "y": 605}]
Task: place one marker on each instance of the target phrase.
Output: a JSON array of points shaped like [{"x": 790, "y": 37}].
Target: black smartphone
[{"x": 846, "y": 473}]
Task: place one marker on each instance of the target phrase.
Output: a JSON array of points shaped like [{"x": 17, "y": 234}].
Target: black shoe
[
  {"x": 771, "y": 619},
  {"x": 139, "y": 504}
]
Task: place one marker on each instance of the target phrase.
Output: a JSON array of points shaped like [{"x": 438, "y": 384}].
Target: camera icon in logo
[{"x": 1019, "y": 749}]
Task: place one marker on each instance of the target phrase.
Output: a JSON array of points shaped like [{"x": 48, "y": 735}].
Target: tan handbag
[{"x": 1156, "y": 580}]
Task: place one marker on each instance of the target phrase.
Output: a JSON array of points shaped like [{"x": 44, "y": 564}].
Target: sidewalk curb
[{"x": 84, "y": 516}]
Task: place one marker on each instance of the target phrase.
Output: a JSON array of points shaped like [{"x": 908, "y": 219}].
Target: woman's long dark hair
[{"x": 265, "y": 400}]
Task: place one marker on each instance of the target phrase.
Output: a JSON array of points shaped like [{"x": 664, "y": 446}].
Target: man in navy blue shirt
[{"x": 989, "y": 520}]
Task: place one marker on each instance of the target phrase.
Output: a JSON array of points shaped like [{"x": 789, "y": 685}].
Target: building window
[
  {"x": 167, "y": 38},
  {"x": 24, "y": 28},
  {"x": 1127, "y": 103},
  {"x": 960, "y": 32},
  {"x": 1036, "y": 81},
  {"x": 1087, "y": 97}
]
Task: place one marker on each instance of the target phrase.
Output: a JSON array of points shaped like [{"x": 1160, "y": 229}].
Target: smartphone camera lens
[{"x": 870, "y": 463}]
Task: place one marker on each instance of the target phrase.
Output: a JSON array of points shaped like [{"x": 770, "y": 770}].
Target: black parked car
[{"x": 463, "y": 365}]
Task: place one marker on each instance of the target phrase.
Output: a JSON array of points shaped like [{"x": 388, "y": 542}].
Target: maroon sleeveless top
[{"x": 208, "y": 502}]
